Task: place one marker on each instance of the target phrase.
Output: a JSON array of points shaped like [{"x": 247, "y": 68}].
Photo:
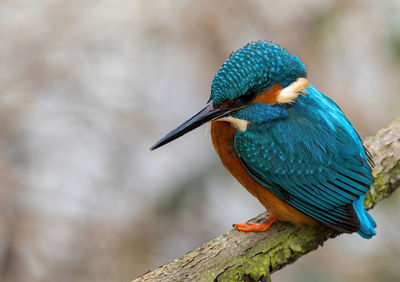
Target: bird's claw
[{"x": 255, "y": 227}]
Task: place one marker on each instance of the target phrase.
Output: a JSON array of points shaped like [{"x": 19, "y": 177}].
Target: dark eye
[
  {"x": 248, "y": 97},
  {"x": 242, "y": 100}
]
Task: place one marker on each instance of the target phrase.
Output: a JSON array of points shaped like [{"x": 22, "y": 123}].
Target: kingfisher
[{"x": 286, "y": 142}]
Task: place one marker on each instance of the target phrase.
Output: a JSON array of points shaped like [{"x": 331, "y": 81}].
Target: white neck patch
[
  {"x": 239, "y": 124},
  {"x": 290, "y": 93}
]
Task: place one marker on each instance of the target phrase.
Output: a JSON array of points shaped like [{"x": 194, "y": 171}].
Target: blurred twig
[{"x": 240, "y": 256}]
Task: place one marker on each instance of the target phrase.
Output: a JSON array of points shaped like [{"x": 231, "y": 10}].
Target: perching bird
[{"x": 287, "y": 143}]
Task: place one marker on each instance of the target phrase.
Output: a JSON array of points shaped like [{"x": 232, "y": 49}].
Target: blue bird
[{"x": 287, "y": 143}]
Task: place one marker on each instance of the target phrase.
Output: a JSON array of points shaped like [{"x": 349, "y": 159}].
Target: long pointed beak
[{"x": 205, "y": 115}]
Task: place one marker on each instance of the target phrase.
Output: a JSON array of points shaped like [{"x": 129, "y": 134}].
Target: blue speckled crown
[{"x": 256, "y": 66}]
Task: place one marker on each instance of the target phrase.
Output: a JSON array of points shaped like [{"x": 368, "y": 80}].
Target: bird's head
[{"x": 260, "y": 72}]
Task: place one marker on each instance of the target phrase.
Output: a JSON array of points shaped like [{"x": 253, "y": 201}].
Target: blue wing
[{"x": 313, "y": 159}]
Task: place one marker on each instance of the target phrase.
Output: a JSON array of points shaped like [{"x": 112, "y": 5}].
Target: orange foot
[{"x": 255, "y": 227}]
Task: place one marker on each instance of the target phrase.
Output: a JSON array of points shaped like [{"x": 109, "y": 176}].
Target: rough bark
[{"x": 240, "y": 256}]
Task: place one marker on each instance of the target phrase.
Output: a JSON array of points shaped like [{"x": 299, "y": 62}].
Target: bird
[{"x": 286, "y": 142}]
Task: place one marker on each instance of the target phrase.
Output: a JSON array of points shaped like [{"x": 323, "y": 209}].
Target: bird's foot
[{"x": 255, "y": 227}]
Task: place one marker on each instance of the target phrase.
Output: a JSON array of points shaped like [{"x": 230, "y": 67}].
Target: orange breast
[{"x": 222, "y": 134}]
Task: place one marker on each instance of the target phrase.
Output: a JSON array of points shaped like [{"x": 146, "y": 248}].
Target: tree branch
[{"x": 241, "y": 256}]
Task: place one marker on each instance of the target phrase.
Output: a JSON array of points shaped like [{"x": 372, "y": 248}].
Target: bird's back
[{"x": 312, "y": 159}]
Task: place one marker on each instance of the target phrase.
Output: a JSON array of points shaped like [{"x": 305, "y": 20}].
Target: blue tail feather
[{"x": 367, "y": 223}]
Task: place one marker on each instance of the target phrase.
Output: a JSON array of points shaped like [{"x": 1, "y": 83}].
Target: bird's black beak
[{"x": 205, "y": 115}]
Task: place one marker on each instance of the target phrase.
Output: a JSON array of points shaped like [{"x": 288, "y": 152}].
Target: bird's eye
[
  {"x": 241, "y": 101},
  {"x": 248, "y": 97}
]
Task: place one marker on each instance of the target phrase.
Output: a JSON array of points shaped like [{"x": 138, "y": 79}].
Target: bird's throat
[{"x": 239, "y": 124}]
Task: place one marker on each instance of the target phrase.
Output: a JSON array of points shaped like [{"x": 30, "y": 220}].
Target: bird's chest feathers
[{"x": 222, "y": 134}]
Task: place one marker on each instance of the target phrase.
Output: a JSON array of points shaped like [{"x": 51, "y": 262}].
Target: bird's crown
[{"x": 254, "y": 68}]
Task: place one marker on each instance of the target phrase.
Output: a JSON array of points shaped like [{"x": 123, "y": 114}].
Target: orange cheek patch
[
  {"x": 226, "y": 104},
  {"x": 269, "y": 96}
]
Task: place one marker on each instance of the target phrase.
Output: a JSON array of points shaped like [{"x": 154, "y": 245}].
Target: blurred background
[{"x": 87, "y": 86}]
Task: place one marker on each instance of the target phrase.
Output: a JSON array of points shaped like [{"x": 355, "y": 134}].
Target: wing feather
[{"x": 320, "y": 168}]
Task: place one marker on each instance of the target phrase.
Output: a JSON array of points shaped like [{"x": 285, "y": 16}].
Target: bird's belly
[{"x": 222, "y": 135}]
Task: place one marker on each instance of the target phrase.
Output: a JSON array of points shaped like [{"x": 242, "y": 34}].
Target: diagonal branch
[{"x": 241, "y": 256}]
